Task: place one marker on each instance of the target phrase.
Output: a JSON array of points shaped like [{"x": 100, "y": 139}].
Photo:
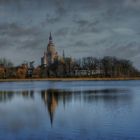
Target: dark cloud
[
  {"x": 129, "y": 50},
  {"x": 81, "y": 44},
  {"x": 94, "y": 27},
  {"x": 15, "y": 30},
  {"x": 62, "y": 31},
  {"x": 4, "y": 44},
  {"x": 84, "y": 25},
  {"x": 31, "y": 44},
  {"x": 52, "y": 19}
]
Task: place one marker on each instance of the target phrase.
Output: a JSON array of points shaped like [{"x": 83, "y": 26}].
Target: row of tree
[
  {"x": 108, "y": 66},
  {"x": 84, "y": 67}
]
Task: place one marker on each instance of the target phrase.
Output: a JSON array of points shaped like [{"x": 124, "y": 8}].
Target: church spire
[
  {"x": 63, "y": 54},
  {"x": 50, "y": 38}
]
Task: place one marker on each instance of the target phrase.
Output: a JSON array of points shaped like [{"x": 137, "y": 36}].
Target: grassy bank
[{"x": 71, "y": 79}]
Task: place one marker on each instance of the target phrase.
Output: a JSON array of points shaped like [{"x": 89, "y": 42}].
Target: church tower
[
  {"x": 51, "y": 52},
  {"x": 50, "y": 55}
]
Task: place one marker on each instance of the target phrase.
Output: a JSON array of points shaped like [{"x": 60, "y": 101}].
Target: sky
[{"x": 81, "y": 28}]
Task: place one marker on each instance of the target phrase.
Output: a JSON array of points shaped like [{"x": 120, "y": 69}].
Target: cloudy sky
[{"x": 80, "y": 27}]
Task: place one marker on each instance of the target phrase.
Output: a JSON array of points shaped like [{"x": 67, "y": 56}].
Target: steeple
[
  {"x": 50, "y": 38},
  {"x": 63, "y": 54}
]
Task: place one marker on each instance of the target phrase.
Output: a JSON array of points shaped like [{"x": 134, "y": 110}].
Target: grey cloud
[
  {"x": 32, "y": 44},
  {"x": 4, "y": 44},
  {"x": 81, "y": 44},
  {"x": 20, "y": 37},
  {"x": 62, "y": 31},
  {"x": 50, "y": 19},
  {"x": 61, "y": 9},
  {"x": 129, "y": 50},
  {"x": 15, "y": 30},
  {"x": 85, "y": 26},
  {"x": 94, "y": 27},
  {"x": 132, "y": 3}
]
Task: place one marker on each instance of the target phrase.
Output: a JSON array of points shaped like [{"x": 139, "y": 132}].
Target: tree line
[
  {"x": 108, "y": 66},
  {"x": 85, "y": 67}
]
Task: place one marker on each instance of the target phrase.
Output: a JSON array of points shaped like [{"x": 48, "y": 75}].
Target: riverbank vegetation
[{"x": 86, "y": 67}]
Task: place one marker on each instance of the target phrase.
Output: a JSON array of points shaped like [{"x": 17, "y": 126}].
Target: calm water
[{"x": 85, "y": 110}]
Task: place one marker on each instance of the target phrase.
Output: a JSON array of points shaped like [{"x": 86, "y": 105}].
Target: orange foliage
[
  {"x": 2, "y": 72},
  {"x": 21, "y": 72}
]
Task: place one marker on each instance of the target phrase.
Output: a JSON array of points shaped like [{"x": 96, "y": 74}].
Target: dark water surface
[{"x": 84, "y": 110}]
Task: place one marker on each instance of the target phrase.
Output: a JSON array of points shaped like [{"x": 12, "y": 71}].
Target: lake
[{"x": 72, "y": 110}]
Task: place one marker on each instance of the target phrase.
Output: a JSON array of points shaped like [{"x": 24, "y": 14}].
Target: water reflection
[
  {"x": 53, "y": 97},
  {"x": 28, "y": 94},
  {"x": 5, "y": 96},
  {"x": 50, "y": 99}
]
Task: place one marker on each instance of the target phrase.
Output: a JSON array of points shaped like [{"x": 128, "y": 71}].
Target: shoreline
[{"x": 71, "y": 79}]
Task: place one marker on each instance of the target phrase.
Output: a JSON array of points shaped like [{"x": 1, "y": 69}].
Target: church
[
  {"x": 54, "y": 65},
  {"x": 50, "y": 55}
]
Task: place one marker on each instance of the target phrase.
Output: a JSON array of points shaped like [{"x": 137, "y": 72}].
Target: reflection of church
[{"x": 51, "y": 101}]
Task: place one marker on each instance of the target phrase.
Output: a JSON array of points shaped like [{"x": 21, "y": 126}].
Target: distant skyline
[{"x": 80, "y": 27}]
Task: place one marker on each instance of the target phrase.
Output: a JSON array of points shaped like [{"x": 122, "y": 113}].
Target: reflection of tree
[
  {"x": 5, "y": 96},
  {"x": 52, "y": 97},
  {"x": 8, "y": 95},
  {"x": 28, "y": 94}
]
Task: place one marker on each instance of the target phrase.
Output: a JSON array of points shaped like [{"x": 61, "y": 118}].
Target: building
[
  {"x": 50, "y": 55},
  {"x": 54, "y": 65}
]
